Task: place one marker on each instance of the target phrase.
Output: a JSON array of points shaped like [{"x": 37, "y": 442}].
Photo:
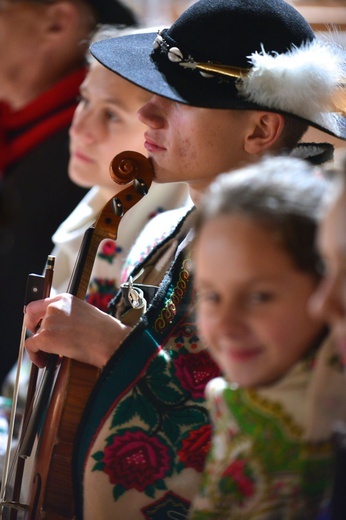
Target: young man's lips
[{"x": 151, "y": 146}]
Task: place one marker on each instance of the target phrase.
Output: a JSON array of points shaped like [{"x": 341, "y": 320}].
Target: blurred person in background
[
  {"x": 40, "y": 74},
  {"x": 104, "y": 124},
  {"x": 329, "y": 302}
]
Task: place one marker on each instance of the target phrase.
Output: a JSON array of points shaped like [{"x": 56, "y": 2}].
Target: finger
[
  {"x": 34, "y": 313},
  {"x": 38, "y": 357}
]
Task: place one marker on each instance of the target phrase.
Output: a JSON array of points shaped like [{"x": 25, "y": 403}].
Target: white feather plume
[{"x": 302, "y": 81}]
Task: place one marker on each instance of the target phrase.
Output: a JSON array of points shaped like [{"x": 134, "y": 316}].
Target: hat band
[
  {"x": 206, "y": 70},
  {"x": 262, "y": 81}
]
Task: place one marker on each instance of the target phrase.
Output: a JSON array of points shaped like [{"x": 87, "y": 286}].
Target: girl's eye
[
  {"x": 207, "y": 297},
  {"x": 258, "y": 297},
  {"x": 110, "y": 115},
  {"x": 82, "y": 100}
]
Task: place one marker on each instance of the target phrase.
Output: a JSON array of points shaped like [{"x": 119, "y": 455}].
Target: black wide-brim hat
[{"x": 236, "y": 54}]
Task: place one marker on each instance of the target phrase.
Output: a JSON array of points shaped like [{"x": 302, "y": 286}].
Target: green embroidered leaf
[
  {"x": 125, "y": 411},
  {"x": 118, "y": 490},
  {"x": 171, "y": 430},
  {"x": 99, "y": 466},
  {"x": 180, "y": 466},
  {"x": 147, "y": 412},
  {"x": 159, "y": 380},
  {"x": 160, "y": 484},
  {"x": 166, "y": 393},
  {"x": 98, "y": 455},
  {"x": 189, "y": 416},
  {"x": 150, "y": 491}
]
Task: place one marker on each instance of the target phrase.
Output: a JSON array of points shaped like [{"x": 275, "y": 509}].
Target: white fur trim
[{"x": 301, "y": 82}]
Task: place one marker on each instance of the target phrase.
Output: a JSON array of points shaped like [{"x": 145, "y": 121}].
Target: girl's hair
[{"x": 282, "y": 194}]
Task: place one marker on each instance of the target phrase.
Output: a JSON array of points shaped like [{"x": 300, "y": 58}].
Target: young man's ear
[{"x": 265, "y": 132}]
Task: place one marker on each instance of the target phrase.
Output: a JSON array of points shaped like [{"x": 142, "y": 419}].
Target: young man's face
[
  {"x": 330, "y": 299},
  {"x": 192, "y": 144}
]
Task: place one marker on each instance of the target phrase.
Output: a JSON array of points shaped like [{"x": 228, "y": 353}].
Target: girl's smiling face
[{"x": 252, "y": 301}]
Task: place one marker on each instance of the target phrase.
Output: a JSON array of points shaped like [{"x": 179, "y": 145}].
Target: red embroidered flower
[
  {"x": 109, "y": 250},
  {"x": 135, "y": 460},
  {"x": 195, "y": 448},
  {"x": 100, "y": 301},
  {"x": 238, "y": 477},
  {"x": 194, "y": 371},
  {"x": 108, "y": 247},
  {"x": 101, "y": 291}
]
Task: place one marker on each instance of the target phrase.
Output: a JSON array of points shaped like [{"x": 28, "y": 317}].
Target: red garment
[
  {"x": 36, "y": 196},
  {"x": 24, "y": 129}
]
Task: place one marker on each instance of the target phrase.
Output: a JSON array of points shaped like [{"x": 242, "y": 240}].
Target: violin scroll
[{"x": 126, "y": 166}]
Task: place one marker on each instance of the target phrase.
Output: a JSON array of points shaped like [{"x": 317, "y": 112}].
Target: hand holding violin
[{"x": 72, "y": 328}]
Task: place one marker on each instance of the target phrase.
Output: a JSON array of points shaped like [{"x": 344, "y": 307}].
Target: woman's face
[
  {"x": 329, "y": 301},
  {"x": 104, "y": 124},
  {"x": 252, "y": 301}
]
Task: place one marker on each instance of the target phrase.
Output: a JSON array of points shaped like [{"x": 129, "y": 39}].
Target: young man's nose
[{"x": 152, "y": 113}]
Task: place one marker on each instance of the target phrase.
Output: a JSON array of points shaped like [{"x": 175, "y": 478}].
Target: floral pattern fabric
[
  {"x": 264, "y": 464},
  {"x": 146, "y": 430},
  {"x": 111, "y": 255}
]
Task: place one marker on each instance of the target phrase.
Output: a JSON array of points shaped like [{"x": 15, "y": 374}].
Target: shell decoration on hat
[{"x": 309, "y": 81}]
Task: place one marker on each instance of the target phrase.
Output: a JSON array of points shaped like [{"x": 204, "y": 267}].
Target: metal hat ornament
[{"x": 238, "y": 54}]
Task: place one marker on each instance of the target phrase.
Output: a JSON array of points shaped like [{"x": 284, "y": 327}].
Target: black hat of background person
[
  {"x": 113, "y": 12},
  {"x": 278, "y": 63}
]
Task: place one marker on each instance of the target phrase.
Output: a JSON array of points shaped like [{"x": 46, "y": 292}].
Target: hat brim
[{"x": 130, "y": 57}]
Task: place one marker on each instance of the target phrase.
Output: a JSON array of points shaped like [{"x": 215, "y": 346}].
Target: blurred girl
[
  {"x": 256, "y": 267},
  {"x": 329, "y": 302}
]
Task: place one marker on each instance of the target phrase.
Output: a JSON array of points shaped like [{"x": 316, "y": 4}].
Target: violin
[{"x": 70, "y": 382}]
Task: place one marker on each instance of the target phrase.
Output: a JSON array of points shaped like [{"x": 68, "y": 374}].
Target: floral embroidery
[
  {"x": 193, "y": 372},
  {"x": 101, "y": 291},
  {"x": 109, "y": 251},
  {"x": 195, "y": 447},
  {"x": 135, "y": 460},
  {"x": 175, "y": 434},
  {"x": 155, "y": 212},
  {"x": 167, "y": 314},
  {"x": 188, "y": 332},
  {"x": 238, "y": 480}
]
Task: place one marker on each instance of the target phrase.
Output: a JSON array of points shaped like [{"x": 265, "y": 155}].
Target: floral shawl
[
  {"x": 271, "y": 456},
  {"x": 146, "y": 432}
]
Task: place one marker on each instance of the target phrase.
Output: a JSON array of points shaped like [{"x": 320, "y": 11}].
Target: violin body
[{"x": 50, "y": 494}]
